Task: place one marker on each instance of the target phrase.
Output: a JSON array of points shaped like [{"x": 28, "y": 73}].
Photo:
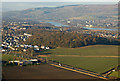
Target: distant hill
[{"x": 63, "y": 12}]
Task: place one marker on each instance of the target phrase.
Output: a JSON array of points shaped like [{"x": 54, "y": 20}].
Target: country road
[{"x": 81, "y": 71}]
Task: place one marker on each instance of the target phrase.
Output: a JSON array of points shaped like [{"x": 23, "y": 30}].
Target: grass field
[
  {"x": 84, "y": 57},
  {"x": 117, "y": 74},
  {"x": 95, "y": 50},
  {"x": 96, "y": 64}
]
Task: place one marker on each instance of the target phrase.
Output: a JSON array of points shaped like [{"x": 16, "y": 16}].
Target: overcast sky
[{"x": 60, "y": 0}]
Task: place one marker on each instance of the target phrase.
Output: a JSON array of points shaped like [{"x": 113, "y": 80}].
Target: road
[{"x": 81, "y": 71}]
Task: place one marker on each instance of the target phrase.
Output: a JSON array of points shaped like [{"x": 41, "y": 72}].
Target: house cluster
[
  {"x": 105, "y": 34},
  {"x": 93, "y": 22},
  {"x": 35, "y": 47},
  {"x": 25, "y": 62},
  {"x": 13, "y": 42},
  {"x": 108, "y": 36},
  {"x": 17, "y": 25}
]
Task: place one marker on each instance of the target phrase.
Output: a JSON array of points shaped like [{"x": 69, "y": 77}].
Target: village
[{"x": 13, "y": 43}]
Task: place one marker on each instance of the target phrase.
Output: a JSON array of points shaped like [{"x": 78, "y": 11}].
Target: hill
[{"x": 64, "y": 12}]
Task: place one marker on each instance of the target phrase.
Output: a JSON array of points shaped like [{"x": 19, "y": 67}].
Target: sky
[
  {"x": 12, "y": 5},
  {"x": 60, "y": 0}
]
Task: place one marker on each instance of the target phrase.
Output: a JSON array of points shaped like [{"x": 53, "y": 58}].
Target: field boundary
[
  {"x": 85, "y": 56},
  {"x": 83, "y": 72}
]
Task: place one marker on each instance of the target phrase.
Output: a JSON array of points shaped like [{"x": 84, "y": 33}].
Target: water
[
  {"x": 57, "y": 24},
  {"x": 100, "y": 29}
]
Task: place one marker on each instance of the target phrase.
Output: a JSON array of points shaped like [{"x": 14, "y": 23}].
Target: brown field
[{"x": 43, "y": 71}]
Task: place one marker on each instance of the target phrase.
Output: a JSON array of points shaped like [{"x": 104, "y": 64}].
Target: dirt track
[
  {"x": 44, "y": 71},
  {"x": 85, "y": 56}
]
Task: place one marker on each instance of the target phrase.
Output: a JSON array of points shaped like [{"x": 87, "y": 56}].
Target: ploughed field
[
  {"x": 43, "y": 71},
  {"x": 97, "y": 58}
]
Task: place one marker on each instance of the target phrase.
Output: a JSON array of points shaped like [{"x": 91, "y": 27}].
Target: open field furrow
[{"x": 43, "y": 71}]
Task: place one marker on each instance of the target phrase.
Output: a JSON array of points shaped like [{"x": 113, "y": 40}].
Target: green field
[
  {"x": 88, "y": 57},
  {"x": 72, "y": 56},
  {"x": 117, "y": 74},
  {"x": 95, "y": 64},
  {"x": 95, "y": 50}
]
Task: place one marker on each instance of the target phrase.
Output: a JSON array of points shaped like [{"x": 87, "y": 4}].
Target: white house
[
  {"x": 47, "y": 48},
  {"x": 43, "y": 47},
  {"x": 24, "y": 50},
  {"x": 27, "y": 34}
]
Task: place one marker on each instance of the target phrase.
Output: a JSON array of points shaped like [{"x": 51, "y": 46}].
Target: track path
[{"x": 82, "y": 72}]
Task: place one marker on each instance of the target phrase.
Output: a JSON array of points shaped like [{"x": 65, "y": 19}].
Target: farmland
[
  {"x": 117, "y": 74},
  {"x": 7, "y": 57},
  {"x": 93, "y": 50},
  {"x": 99, "y": 65},
  {"x": 43, "y": 71},
  {"x": 97, "y": 58}
]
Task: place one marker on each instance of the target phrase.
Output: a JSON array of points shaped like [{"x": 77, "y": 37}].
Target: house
[
  {"x": 33, "y": 61},
  {"x": 24, "y": 39},
  {"x": 16, "y": 62},
  {"x": 68, "y": 22},
  {"x": 3, "y": 50},
  {"x": 30, "y": 46},
  {"x": 36, "y": 47},
  {"x": 24, "y": 50},
  {"x": 25, "y": 62},
  {"x": 47, "y": 48},
  {"x": 11, "y": 61},
  {"x": 43, "y": 47},
  {"x": 21, "y": 45},
  {"x": 12, "y": 48},
  {"x": 20, "y": 63},
  {"x": 27, "y": 34},
  {"x": 17, "y": 46},
  {"x": 25, "y": 46}
]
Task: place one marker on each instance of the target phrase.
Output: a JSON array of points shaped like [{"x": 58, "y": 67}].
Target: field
[
  {"x": 95, "y": 50},
  {"x": 37, "y": 72},
  {"x": 97, "y": 58},
  {"x": 117, "y": 74},
  {"x": 95, "y": 64},
  {"x": 6, "y": 57}
]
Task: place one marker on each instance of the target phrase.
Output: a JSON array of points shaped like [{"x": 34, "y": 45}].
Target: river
[{"x": 100, "y": 29}]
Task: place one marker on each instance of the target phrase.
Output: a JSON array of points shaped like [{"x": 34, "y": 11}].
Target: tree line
[{"x": 65, "y": 39}]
